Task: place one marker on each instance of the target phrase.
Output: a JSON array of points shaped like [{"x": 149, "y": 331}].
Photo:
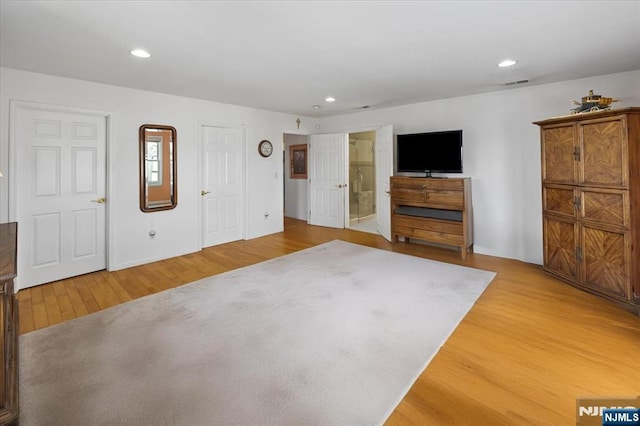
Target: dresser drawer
[
  {"x": 430, "y": 235},
  {"x": 451, "y": 198},
  {"x": 436, "y": 225},
  {"x": 445, "y": 184},
  {"x": 411, "y": 195}
]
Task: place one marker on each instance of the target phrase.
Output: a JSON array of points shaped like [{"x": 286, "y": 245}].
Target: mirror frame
[{"x": 144, "y": 206}]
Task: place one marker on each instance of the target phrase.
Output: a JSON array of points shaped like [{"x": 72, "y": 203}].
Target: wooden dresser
[
  {"x": 432, "y": 210},
  {"x": 9, "y": 318},
  {"x": 591, "y": 202}
]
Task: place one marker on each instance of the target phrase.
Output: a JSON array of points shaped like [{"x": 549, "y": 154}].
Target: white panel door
[
  {"x": 327, "y": 182},
  {"x": 384, "y": 170},
  {"x": 222, "y": 184},
  {"x": 61, "y": 184}
]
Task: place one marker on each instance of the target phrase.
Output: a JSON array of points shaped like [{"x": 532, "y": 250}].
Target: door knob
[
  {"x": 205, "y": 192},
  {"x": 100, "y": 200},
  {"x": 339, "y": 186}
]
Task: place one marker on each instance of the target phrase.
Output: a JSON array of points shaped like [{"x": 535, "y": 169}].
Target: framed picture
[{"x": 298, "y": 158}]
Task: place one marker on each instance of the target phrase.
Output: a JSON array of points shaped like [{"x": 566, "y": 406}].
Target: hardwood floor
[{"x": 527, "y": 349}]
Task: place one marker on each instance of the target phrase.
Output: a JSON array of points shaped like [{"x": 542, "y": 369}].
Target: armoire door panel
[
  {"x": 606, "y": 263},
  {"x": 604, "y": 153},
  {"x": 558, "y": 155},
  {"x": 560, "y": 243},
  {"x": 560, "y": 200},
  {"x": 605, "y": 207}
]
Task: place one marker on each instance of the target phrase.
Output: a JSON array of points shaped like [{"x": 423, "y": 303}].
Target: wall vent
[{"x": 513, "y": 83}]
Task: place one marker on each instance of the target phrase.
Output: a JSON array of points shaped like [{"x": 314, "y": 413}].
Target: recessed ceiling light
[
  {"x": 316, "y": 107},
  {"x": 507, "y": 63},
  {"x": 141, "y": 53},
  {"x": 330, "y": 99}
]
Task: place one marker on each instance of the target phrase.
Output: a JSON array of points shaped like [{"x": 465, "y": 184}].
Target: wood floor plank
[
  {"x": 66, "y": 308},
  {"x": 107, "y": 292},
  {"x": 25, "y": 294},
  {"x": 25, "y": 310},
  {"x": 526, "y": 350},
  {"x": 129, "y": 283},
  {"x": 40, "y": 319},
  {"x": 122, "y": 294},
  {"x": 51, "y": 304},
  {"x": 36, "y": 294},
  {"x": 58, "y": 288},
  {"x": 77, "y": 303},
  {"x": 89, "y": 302}
]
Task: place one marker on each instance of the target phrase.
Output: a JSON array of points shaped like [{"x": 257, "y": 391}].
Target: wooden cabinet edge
[{"x": 9, "y": 408}]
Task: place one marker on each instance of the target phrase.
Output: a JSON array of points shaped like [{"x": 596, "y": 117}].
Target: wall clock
[{"x": 265, "y": 148}]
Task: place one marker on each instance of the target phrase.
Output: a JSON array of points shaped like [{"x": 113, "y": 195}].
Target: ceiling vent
[{"x": 513, "y": 83}]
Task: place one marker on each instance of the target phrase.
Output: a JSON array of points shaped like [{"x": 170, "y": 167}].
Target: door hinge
[
  {"x": 579, "y": 254},
  {"x": 576, "y": 153}
]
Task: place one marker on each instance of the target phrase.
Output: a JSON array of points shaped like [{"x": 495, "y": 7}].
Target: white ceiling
[{"x": 289, "y": 55}]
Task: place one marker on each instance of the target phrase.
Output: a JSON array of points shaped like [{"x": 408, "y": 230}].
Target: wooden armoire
[{"x": 590, "y": 202}]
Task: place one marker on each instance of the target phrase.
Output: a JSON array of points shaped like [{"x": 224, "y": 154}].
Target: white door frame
[
  {"x": 245, "y": 177},
  {"x": 345, "y": 173},
  {"x": 17, "y": 105}
]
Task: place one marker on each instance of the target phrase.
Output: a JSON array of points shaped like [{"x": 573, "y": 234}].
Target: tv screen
[{"x": 439, "y": 152}]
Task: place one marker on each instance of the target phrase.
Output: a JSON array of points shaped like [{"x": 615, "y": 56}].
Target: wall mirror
[{"x": 158, "y": 186}]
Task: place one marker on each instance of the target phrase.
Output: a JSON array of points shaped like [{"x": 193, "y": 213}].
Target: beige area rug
[{"x": 331, "y": 335}]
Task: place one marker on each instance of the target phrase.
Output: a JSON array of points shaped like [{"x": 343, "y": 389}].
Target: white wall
[
  {"x": 501, "y": 150},
  {"x": 501, "y": 155},
  {"x": 295, "y": 190},
  {"x": 177, "y": 230}
]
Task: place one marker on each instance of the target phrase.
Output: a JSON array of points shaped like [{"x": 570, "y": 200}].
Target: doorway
[
  {"x": 296, "y": 203},
  {"x": 331, "y": 177},
  {"x": 362, "y": 182}
]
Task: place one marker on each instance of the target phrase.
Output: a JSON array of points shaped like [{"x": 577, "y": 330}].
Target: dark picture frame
[{"x": 298, "y": 160}]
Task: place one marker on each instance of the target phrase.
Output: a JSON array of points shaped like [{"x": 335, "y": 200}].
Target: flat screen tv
[{"x": 439, "y": 152}]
